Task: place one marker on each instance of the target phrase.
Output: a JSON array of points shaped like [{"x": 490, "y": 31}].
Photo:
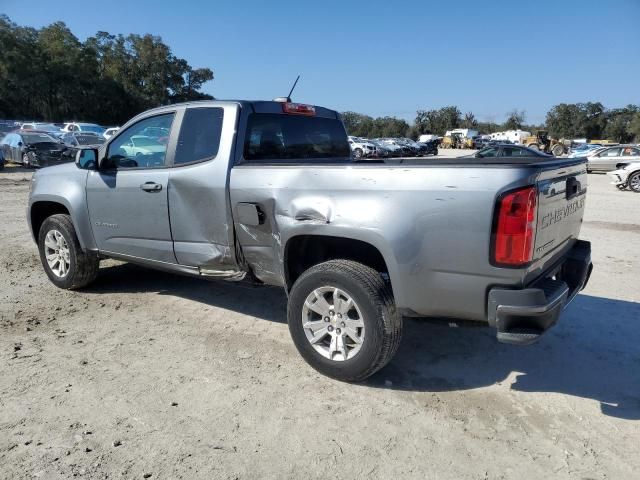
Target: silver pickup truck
[{"x": 268, "y": 192}]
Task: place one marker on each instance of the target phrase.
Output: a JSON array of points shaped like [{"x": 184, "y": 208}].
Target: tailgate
[{"x": 561, "y": 200}]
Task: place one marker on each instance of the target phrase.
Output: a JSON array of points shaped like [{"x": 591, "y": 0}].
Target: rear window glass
[
  {"x": 294, "y": 137},
  {"x": 199, "y": 135}
]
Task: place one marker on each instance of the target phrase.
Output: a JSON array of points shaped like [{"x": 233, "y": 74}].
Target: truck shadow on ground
[{"x": 592, "y": 353}]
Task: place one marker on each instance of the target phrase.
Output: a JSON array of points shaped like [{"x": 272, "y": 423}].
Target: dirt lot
[{"x": 146, "y": 373}]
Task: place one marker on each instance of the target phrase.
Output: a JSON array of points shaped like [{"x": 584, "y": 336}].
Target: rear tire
[
  {"x": 372, "y": 305},
  {"x": 634, "y": 182},
  {"x": 57, "y": 240},
  {"x": 534, "y": 146}
]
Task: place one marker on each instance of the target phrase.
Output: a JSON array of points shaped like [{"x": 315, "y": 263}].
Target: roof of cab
[{"x": 258, "y": 106}]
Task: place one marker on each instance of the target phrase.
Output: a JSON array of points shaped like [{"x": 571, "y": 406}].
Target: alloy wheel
[
  {"x": 333, "y": 323},
  {"x": 56, "y": 251}
]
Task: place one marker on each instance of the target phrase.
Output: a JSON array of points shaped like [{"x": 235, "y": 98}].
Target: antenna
[{"x": 292, "y": 88}]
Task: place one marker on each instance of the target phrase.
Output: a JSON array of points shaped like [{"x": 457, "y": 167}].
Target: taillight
[
  {"x": 298, "y": 109},
  {"x": 515, "y": 228}
]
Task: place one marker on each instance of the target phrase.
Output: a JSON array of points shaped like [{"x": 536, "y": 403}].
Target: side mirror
[
  {"x": 87, "y": 158},
  {"x": 20, "y": 144}
]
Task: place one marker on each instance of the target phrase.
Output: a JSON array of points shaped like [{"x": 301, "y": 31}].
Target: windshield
[{"x": 294, "y": 137}]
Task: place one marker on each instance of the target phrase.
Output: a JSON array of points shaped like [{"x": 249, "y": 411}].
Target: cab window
[
  {"x": 199, "y": 137},
  {"x": 295, "y": 138},
  {"x": 142, "y": 145}
]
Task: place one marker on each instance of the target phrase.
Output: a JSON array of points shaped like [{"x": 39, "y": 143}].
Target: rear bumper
[{"x": 522, "y": 316}]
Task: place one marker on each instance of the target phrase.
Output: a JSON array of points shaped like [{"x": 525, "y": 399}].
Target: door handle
[{"x": 151, "y": 187}]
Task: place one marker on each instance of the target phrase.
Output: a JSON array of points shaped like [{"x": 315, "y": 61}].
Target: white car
[
  {"x": 362, "y": 148},
  {"x": 607, "y": 159},
  {"x": 627, "y": 176},
  {"x": 82, "y": 127},
  {"x": 110, "y": 132}
]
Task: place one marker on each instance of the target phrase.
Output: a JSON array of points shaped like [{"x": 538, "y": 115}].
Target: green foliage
[
  {"x": 620, "y": 123},
  {"x": 634, "y": 127},
  {"x": 515, "y": 120},
  {"x": 437, "y": 121},
  {"x": 577, "y": 120},
  {"x": 48, "y": 74},
  {"x": 469, "y": 121},
  {"x": 360, "y": 125}
]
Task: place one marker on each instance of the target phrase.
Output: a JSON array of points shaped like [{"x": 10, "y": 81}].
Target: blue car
[{"x": 583, "y": 150}]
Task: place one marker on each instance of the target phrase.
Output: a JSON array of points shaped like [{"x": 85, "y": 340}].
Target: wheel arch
[
  {"x": 43, "y": 208},
  {"x": 302, "y": 251}
]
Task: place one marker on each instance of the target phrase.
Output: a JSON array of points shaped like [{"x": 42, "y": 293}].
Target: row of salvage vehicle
[
  {"x": 391, "y": 147},
  {"x": 36, "y": 148}
]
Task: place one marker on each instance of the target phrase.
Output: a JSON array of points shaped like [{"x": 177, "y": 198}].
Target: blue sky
[{"x": 387, "y": 58}]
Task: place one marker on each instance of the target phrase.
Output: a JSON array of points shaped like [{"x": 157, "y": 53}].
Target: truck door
[
  {"x": 127, "y": 196},
  {"x": 201, "y": 221}
]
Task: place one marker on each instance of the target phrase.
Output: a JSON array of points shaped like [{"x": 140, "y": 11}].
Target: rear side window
[
  {"x": 199, "y": 138},
  {"x": 294, "y": 138}
]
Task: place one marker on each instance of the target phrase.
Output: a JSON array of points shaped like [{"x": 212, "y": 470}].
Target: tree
[
  {"x": 634, "y": 127},
  {"x": 469, "y": 121},
  {"x": 577, "y": 120},
  {"x": 515, "y": 120},
  {"x": 48, "y": 74},
  {"x": 438, "y": 121},
  {"x": 619, "y": 122}
]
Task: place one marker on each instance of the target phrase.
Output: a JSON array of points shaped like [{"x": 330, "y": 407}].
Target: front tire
[
  {"x": 26, "y": 160},
  {"x": 358, "y": 153},
  {"x": 62, "y": 257},
  {"x": 343, "y": 321}
]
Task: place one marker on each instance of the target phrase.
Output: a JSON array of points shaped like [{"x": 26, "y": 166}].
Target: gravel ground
[{"x": 149, "y": 375}]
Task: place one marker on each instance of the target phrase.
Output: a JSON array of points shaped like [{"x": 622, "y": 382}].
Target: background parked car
[
  {"x": 362, "y": 148},
  {"x": 583, "y": 150},
  {"x": 32, "y": 148},
  {"x": 78, "y": 139},
  {"x": 479, "y": 142},
  {"x": 110, "y": 132},
  {"x": 627, "y": 176},
  {"x": 387, "y": 150},
  {"x": 6, "y": 128},
  {"x": 49, "y": 128},
  {"x": 83, "y": 127},
  {"x": 509, "y": 150},
  {"x": 608, "y": 158}
]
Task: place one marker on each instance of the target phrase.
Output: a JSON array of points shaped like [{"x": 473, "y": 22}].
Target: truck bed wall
[{"x": 431, "y": 224}]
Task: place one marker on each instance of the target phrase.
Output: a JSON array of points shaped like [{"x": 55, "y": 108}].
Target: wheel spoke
[
  {"x": 318, "y": 335},
  {"x": 342, "y": 348},
  {"x": 346, "y": 306},
  {"x": 353, "y": 335},
  {"x": 314, "y": 326},
  {"x": 51, "y": 257},
  {"x": 50, "y": 243},
  {"x": 354, "y": 323},
  {"x": 320, "y": 305},
  {"x": 337, "y": 301},
  {"x": 333, "y": 347}
]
